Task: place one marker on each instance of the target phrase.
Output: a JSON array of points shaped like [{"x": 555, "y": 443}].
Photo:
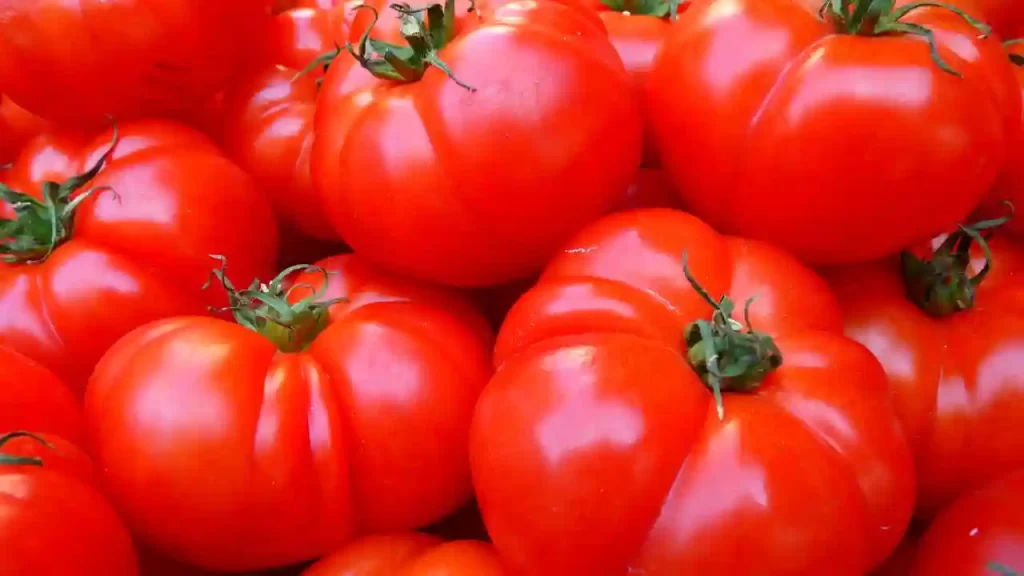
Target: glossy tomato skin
[
  {"x": 472, "y": 172},
  {"x": 955, "y": 382},
  {"x": 596, "y": 450},
  {"x": 35, "y": 399},
  {"x": 17, "y": 126},
  {"x": 978, "y": 533},
  {"x": 141, "y": 244},
  {"x": 409, "y": 554},
  {"x": 1010, "y": 185},
  {"x": 127, "y": 59},
  {"x": 751, "y": 137},
  {"x": 364, "y": 431}
]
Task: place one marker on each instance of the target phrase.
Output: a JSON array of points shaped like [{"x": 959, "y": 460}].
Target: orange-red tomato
[
  {"x": 33, "y": 398},
  {"x": 597, "y": 448},
  {"x": 254, "y": 438},
  {"x": 954, "y": 376},
  {"x": 409, "y": 554},
  {"x": 136, "y": 249}
]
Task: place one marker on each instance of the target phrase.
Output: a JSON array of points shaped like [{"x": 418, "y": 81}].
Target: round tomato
[
  {"x": 475, "y": 177},
  {"x": 328, "y": 423},
  {"x": 80, "y": 61},
  {"x": 140, "y": 211},
  {"x": 761, "y": 140},
  {"x": 33, "y": 398},
  {"x": 952, "y": 351},
  {"x": 409, "y": 554},
  {"x": 980, "y": 534},
  {"x": 17, "y": 125},
  {"x": 1010, "y": 185},
  {"x": 597, "y": 447},
  {"x": 51, "y": 520}
]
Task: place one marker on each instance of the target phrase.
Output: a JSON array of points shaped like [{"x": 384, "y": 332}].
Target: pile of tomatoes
[{"x": 511, "y": 287}]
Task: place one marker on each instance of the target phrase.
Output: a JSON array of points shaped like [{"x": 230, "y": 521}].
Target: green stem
[
  {"x": 941, "y": 285},
  {"x": 9, "y": 460},
  {"x": 727, "y": 355},
  {"x": 265, "y": 309}
]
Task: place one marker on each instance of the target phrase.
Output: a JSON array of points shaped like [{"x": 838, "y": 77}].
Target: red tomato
[
  {"x": 980, "y": 534},
  {"x": 34, "y": 399},
  {"x": 53, "y": 522},
  {"x": 17, "y": 125},
  {"x": 1010, "y": 185},
  {"x": 275, "y": 454},
  {"x": 140, "y": 243},
  {"x": 489, "y": 181},
  {"x": 1005, "y": 16},
  {"x": 809, "y": 138},
  {"x": 954, "y": 373},
  {"x": 79, "y": 61},
  {"x": 650, "y": 189},
  {"x": 409, "y": 554},
  {"x": 597, "y": 449}
]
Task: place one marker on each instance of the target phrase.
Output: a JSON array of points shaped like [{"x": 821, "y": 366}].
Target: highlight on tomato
[
  {"x": 843, "y": 131},
  {"x": 79, "y": 62},
  {"x": 945, "y": 320},
  {"x": 669, "y": 400},
  {"x": 409, "y": 554},
  {"x": 505, "y": 153},
  {"x": 99, "y": 235},
  {"x": 336, "y": 407}
]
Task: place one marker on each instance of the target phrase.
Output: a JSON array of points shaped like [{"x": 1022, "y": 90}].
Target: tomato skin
[
  {"x": 140, "y": 250},
  {"x": 650, "y": 189},
  {"x": 17, "y": 125},
  {"x": 364, "y": 431},
  {"x": 978, "y": 529},
  {"x": 127, "y": 59},
  {"x": 1006, "y": 18},
  {"x": 954, "y": 381},
  {"x": 473, "y": 171},
  {"x": 409, "y": 554},
  {"x": 1010, "y": 185},
  {"x": 596, "y": 450},
  {"x": 35, "y": 399},
  {"x": 751, "y": 137}
]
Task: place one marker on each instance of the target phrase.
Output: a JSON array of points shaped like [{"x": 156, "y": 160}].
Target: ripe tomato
[
  {"x": 980, "y": 534},
  {"x": 409, "y": 554},
  {"x": 800, "y": 139},
  {"x": 1010, "y": 185},
  {"x": 354, "y": 422},
  {"x": 33, "y": 398},
  {"x": 54, "y": 522},
  {"x": 490, "y": 178},
  {"x": 650, "y": 189},
  {"x": 1006, "y": 17},
  {"x": 136, "y": 249},
  {"x": 952, "y": 352},
  {"x": 597, "y": 449},
  {"x": 79, "y": 61},
  {"x": 17, "y": 125}
]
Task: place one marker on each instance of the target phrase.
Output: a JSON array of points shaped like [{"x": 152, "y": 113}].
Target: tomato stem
[
  {"x": 725, "y": 354},
  {"x": 425, "y": 30},
  {"x": 264, "y": 308},
  {"x": 40, "y": 226},
  {"x": 9, "y": 460},
  {"x": 940, "y": 285},
  {"x": 1015, "y": 57}
]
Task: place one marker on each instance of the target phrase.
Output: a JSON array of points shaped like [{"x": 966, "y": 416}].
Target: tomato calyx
[
  {"x": 10, "y": 460},
  {"x": 265, "y": 309},
  {"x": 425, "y": 36},
  {"x": 1016, "y": 57},
  {"x": 656, "y": 8},
  {"x": 40, "y": 226},
  {"x": 727, "y": 355},
  {"x": 941, "y": 285},
  {"x": 881, "y": 17}
]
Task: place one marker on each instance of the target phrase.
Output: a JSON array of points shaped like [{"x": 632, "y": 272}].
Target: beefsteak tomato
[
  {"x": 52, "y": 521},
  {"x": 763, "y": 106},
  {"x": 80, "y": 268},
  {"x": 33, "y": 398},
  {"x": 980, "y": 534},
  {"x": 409, "y": 554},
  {"x": 78, "y": 62},
  {"x": 949, "y": 330},
  {"x": 597, "y": 448},
  {"x": 276, "y": 445},
  {"x": 475, "y": 177}
]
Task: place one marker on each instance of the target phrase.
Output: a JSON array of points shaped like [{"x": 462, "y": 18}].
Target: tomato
[
  {"x": 493, "y": 174},
  {"x": 79, "y": 61},
  {"x": 1010, "y": 185},
  {"x": 35, "y": 399},
  {"x": 980, "y": 534},
  {"x": 952, "y": 353},
  {"x": 53, "y": 522},
  {"x": 353, "y": 420},
  {"x": 1006, "y": 18},
  {"x": 409, "y": 554},
  {"x": 136, "y": 248},
  {"x": 597, "y": 448},
  {"x": 799, "y": 138},
  {"x": 650, "y": 189},
  {"x": 17, "y": 125}
]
